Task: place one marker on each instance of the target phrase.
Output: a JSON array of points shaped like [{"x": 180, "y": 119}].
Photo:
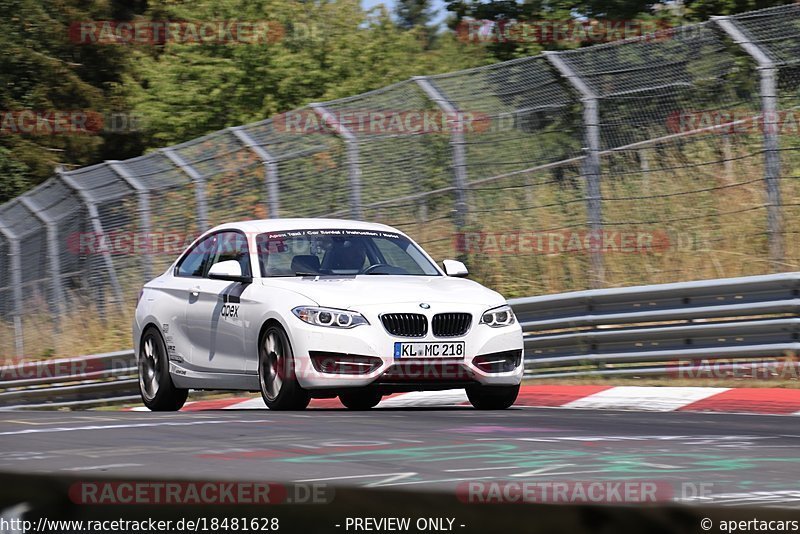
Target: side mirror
[
  {"x": 455, "y": 268},
  {"x": 228, "y": 270}
]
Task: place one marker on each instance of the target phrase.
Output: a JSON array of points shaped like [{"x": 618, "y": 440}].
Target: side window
[
  {"x": 196, "y": 261},
  {"x": 233, "y": 246},
  {"x": 276, "y": 256}
]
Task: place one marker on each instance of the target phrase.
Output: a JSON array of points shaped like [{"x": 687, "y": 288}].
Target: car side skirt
[{"x": 188, "y": 379}]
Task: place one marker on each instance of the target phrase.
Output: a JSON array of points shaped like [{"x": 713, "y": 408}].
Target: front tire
[
  {"x": 276, "y": 373},
  {"x": 492, "y": 397},
  {"x": 158, "y": 392},
  {"x": 360, "y": 400}
]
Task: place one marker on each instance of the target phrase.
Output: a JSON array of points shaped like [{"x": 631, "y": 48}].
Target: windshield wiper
[{"x": 301, "y": 273}]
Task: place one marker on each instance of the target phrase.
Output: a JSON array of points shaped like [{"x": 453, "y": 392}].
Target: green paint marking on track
[
  {"x": 507, "y": 455},
  {"x": 443, "y": 453}
]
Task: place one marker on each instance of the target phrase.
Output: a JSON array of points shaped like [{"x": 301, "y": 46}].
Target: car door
[
  {"x": 181, "y": 290},
  {"x": 214, "y": 314}
]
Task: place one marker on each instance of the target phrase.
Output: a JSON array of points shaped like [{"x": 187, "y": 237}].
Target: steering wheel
[{"x": 375, "y": 266}]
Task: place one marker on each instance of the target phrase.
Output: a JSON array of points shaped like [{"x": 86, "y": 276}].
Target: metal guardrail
[
  {"x": 642, "y": 330},
  {"x": 87, "y": 380},
  {"x": 608, "y": 331}
]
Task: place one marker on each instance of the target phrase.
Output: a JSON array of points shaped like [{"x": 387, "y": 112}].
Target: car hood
[{"x": 351, "y": 292}]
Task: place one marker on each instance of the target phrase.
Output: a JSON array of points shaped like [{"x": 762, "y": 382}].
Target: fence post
[
  {"x": 591, "y": 120},
  {"x": 16, "y": 287},
  {"x": 270, "y": 170},
  {"x": 353, "y": 161},
  {"x": 768, "y": 73},
  {"x": 199, "y": 187},
  {"x": 97, "y": 226},
  {"x": 53, "y": 256},
  {"x": 143, "y": 194},
  {"x": 456, "y": 142}
]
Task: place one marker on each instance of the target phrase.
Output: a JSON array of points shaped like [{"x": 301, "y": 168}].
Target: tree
[
  {"x": 43, "y": 70},
  {"x": 325, "y": 50},
  {"x": 504, "y": 13},
  {"x": 697, "y": 10},
  {"x": 413, "y": 13},
  {"x": 316, "y": 51},
  {"x": 14, "y": 175}
]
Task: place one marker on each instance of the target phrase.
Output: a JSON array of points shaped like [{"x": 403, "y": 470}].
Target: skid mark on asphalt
[
  {"x": 497, "y": 429},
  {"x": 783, "y": 498},
  {"x": 388, "y": 481},
  {"x": 124, "y": 426},
  {"x": 177, "y": 447},
  {"x": 62, "y": 421},
  {"x": 100, "y": 467}
]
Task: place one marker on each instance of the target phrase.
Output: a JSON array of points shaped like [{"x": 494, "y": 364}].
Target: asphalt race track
[{"x": 707, "y": 458}]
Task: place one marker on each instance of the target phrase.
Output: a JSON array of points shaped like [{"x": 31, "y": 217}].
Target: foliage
[
  {"x": 177, "y": 91},
  {"x": 13, "y": 173},
  {"x": 42, "y": 70},
  {"x": 328, "y": 50},
  {"x": 670, "y": 13}
]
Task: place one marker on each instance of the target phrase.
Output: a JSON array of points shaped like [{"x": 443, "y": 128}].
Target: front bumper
[{"x": 390, "y": 373}]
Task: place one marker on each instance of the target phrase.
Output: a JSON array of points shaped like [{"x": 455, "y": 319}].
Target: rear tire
[
  {"x": 158, "y": 392},
  {"x": 276, "y": 373},
  {"x": 492, "y": 397},
  {"x": 360, "y": 400}
]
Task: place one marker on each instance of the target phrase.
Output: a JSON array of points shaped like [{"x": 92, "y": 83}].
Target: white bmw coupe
[{"x": 302, "y": 308}]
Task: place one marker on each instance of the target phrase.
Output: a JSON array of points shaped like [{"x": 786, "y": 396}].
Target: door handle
[{"x": 195, "y": 291}]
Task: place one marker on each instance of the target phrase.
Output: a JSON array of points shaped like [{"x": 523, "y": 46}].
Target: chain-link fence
[{"x": 669, "y": 157}]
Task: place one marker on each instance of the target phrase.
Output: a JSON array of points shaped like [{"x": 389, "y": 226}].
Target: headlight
[
  {"x": 497, "y": 317},
  {"x": 329, "y": 317}
]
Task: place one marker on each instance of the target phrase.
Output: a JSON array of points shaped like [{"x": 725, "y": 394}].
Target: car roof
[{"x": 280, "y": 225}]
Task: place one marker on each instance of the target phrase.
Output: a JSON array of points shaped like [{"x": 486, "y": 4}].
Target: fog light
[{"x": 498, "y": 362}]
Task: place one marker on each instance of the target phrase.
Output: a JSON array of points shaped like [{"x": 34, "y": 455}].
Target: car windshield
[{"x": 340, "y": 252}]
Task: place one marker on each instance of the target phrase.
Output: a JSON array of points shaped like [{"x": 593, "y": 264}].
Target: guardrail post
[
  {"x": 591, "y": 120},
  {"x": 199, "y": 187},
  {"x": 457, "y": 144},
  {"x": 143, "y": 194},
  {"x": 270, "y": 170},
  {"x": 768, "y": 73},
  {"x": 53, "y": 257},
  {"x": 97, "y": 226},
  {"x": 15, "y": 258},
  {"x": 353, "y": 158}
]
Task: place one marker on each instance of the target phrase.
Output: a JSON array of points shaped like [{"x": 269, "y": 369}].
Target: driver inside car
[{"x": 344, "y": 257}]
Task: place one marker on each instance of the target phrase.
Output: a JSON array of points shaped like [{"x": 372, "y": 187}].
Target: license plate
[{"x": 453, "y": 349}]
